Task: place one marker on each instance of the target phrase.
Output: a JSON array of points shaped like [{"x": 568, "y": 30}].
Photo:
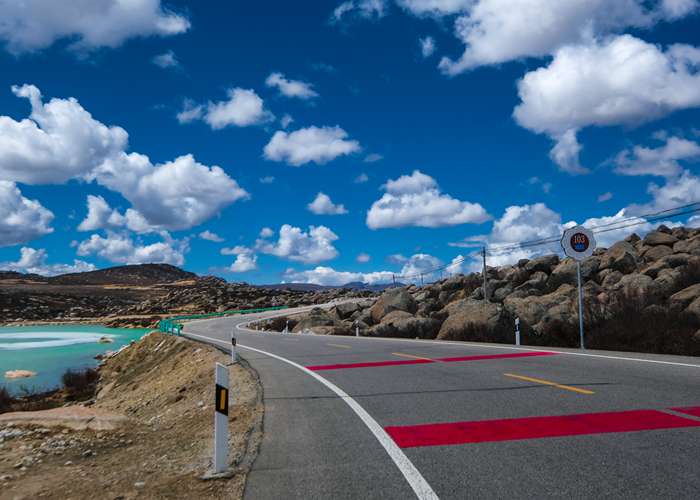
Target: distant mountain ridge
[
  {"x": 140, "y": 274},
  {"x": 152, "y": 274},
  {"x": 307, "y": 287}
]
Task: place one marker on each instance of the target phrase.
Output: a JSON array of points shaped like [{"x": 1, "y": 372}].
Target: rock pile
[
  {"x": 657, "y": 275},
  {"x": 143, "y": 306}
]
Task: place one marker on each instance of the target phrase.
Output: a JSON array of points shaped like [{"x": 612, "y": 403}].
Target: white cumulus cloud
[
  {"x": 166, "y": 60},
  {"x": 416, "y": 200},
  {"x": 31, "y": 25},
  {"x": 662, "y": 161},
  {"x": 435, "y": 7},
  {"x": 120, "y": 248},
  {"x": 312, "y": 144},
  {"x": 497, "y": 31},
  {"x": 327, "y": 276},
  {"x": 363, "y": 9},
  {"x": 323, "y": 205},
  {"x": 244, "y": 108},
  {"x": 211, "y": 236},
  {"x": 246, "y": 259},
  {"x": 33, "y": 261},
  {"x": 310, "y": 247},
  {"x": 291, "y": 88},
  {"x": 21, "y": 219},
  {"x": 620, "y": 81},
  {"x": 427, "y": 46},
  {"x": 62, "y": 141}
]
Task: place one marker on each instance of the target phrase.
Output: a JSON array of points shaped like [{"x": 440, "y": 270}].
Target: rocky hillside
[
  {"x": 139, "y": 296},
  {"x": 144, "y": 275},
  {"x": 640, "y": 295}
]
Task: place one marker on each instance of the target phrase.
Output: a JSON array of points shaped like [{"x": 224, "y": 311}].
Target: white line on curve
[{"x": 415, "y": 479}]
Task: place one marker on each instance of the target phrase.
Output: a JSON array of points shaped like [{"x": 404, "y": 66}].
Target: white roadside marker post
[
  {"x": 517, "y": 331},
  {"x": 357, "y": 329},
  {"x": 234, "y": 353},
  {"x": 221, "y": 419}
]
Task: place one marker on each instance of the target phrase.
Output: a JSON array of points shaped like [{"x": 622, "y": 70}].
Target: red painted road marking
[
  {"x": 372, "y": 364},
  {"x": 693, "y": 410},
  {"x": 369, "y": 364},
  {"x": 498, "y": 356},
  {"x": 534, "y": 428}
]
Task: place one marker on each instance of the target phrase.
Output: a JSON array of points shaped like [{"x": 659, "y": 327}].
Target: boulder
[
  {"x": 316, "y": 318},
  {"x": 657, "y": 237},
  {"x": 536, "y": 311},
  {"x": 395, "y": 316},
  {"x": 516, "y": 276},
  {"x": 657, "y": 252},
  {"x": 665, "y": 281},
  {"x": 694, "y": 307},
  {"x": 612, "y": 278},
  {"x": 622, "y": 256},
  {"x": 636, "y": 284},
  {"x": 346, "y": 309},
  {"x": 566, "y": 272},
  {"x": 333, "y": 330},
  {"x": 395, "y": 299},
  {"x": 428, "y": 306},
  {"x": 455, "y": 283},
  {"x": 466, "y": 312},
  {"x": 537, "y": 281},
  {"x": 544, "y": 264},
  {"x": 690, "y": 246},
  {"x": 403, "y": 325},
  {"x": 669, "y": 262},
  {"x": 365, "y": 317},
  {"x": 500, "y": 294},
  {"x": 681, "y": 300}
]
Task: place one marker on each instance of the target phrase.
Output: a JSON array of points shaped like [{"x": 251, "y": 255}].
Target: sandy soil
[{"x": 147, "y": 435}]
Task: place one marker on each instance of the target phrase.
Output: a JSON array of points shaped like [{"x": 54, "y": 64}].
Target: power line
[{"x": 601, "y": 228}]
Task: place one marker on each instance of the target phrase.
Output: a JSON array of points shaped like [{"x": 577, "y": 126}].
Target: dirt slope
[{"x": 164, "y": 388}]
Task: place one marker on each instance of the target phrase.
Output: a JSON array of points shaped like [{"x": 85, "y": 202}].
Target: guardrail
[{"x": 174, "y": 326}]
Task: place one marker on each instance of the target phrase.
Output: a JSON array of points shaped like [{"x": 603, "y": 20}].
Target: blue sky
[{"x": 429, "y": 125}]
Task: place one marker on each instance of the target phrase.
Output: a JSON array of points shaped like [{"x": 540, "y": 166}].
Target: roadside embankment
[{"x": 147, "y": 434}]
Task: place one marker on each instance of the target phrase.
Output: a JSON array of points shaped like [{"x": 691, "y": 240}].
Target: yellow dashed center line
[
  {"x": 547, "y": 382},
  {"x": 402, "y": 355},
  {"x": 341, "y": 346}
]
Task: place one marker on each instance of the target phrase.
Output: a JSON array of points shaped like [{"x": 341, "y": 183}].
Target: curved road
[{"x": 349, "y": 417}]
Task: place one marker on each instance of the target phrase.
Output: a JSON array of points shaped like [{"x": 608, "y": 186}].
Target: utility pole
[
  {"x": 421, "y": 279},
  {"x": 393, "y": 278},
  {"x": 486, "y": 285}
]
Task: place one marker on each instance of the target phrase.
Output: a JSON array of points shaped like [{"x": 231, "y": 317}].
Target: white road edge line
[
  {"x": 414, "y": 478},
  {"x": 242, "y": 326}
]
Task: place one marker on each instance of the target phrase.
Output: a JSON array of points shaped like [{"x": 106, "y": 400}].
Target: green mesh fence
[{"x": 174, "y": 325}]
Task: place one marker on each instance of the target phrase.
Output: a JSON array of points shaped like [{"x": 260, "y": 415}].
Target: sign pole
[
  {"x": 221, "y": 419},
  {"x": 485, "y": 275},
  {"x": 579, "y": 244},
  {"x": 580, "y": 304}
]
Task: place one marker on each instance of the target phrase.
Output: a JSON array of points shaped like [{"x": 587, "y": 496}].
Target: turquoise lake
[{"x": 51, "y": 350}]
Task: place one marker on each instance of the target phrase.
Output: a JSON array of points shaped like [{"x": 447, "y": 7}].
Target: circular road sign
[{"x": 578, "y": 242}]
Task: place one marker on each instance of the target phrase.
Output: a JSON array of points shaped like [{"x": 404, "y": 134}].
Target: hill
[{"x": 143, "y": 275}]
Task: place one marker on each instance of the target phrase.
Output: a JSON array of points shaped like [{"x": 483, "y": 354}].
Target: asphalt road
[{"x": 349, "y": 417}]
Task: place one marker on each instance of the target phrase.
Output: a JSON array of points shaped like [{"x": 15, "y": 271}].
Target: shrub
[
  {"x": 80, "y": 383},
  {"x": 6, "y": 399},
  {"x": 635, "y": 322},
  {"x": 690, "y": 275}
]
